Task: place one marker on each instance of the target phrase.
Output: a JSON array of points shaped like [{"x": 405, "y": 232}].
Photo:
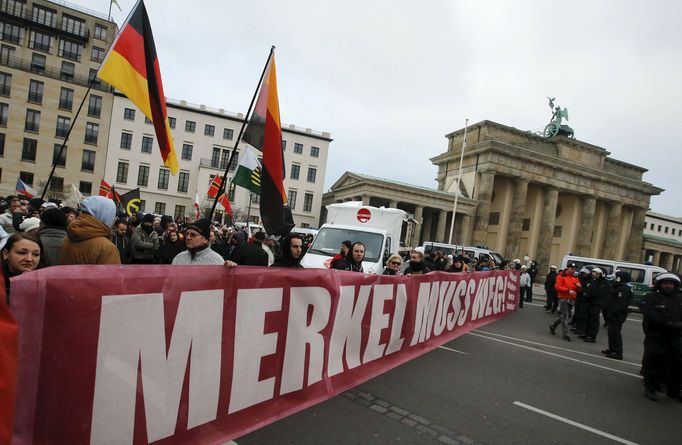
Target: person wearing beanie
[
  {"x": 145, "y": 241},
  {"x": 52, "y": 234},
  {"x": 30, "y": 225},
  {"x": 345, "y": 247},
  {"x": 198, "y": 251},
  {"x": 88, "y": 236},
  {"x": 251, "y": 254}
]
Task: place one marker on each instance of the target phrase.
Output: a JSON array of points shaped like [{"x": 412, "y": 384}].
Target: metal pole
[
  {"x": 459, "y": 177},
  {"x": 66, "y": 139},
  {"x": 223, "y": 184}
]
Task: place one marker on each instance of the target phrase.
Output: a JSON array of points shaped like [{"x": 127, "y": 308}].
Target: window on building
[
  {"x": 494, "y": 219},
  {"x": 209, "y": 130},
  {"x": 129, "y": 114},
  {"x": 557, "y": 231},
  {"x": 186, "y": 152},
  {"x": 32, "y": 121},
  {"x": 88, "y": 161},
  {"x": 97, "y": 54},
  {"x": 651, "y": 226},
  {"x": 93, "y": 79},
  {"x": 4, "y": 114},
  {"x": 11, "y": 33},
  {"x": 126, "y": 140},
  {"x": 235, "y": 161},
  {"x": 57, "y": 184},
  {"x": 659, "y": 227},
  {"x": 63, "y": 125},
  {"x": 70, "y": 50},
  {"x": 525, "y": 226},
  {"x": 215, "y": 158},
  {"x": 160, "y": 208},
  {"x": 171, "y": 122},
  {"x": 85, "y": 187},
  {"x": 73, "y": 25},
  {"x": 26, "y": 177},
  {"x": 230, "y": 192},
  {"x": 91, "y": 133},
  {"x": 179, "y": 211},
  {"x": 59, "y": 160},
  {"x": 295, "y": 171},
  {"x": 2, "y": 145},
  {"x": 284, "y": 145},
  {"x": 66, "y": 99},
  {"x": 95, "y": 106},
  {"x": 40, "y": 41},
  {"x": 35, "y": 91},
  {"x": 228, "y": 134},
  {"x": 312, "y": 174},
  {"x": 164, "y": 174},
  {"x": 298, "y": 148},
  {"x": 143, "y": 175},
  {"x": 183, "y": 182},
  {"x": 292, "y": 198},
  {"x": 5, "y": 84},
  {"x": 29, "y": 149},
  {"x": 147, "y": 120},
  {"x": 255, "y": 198},
  {"x": 122, "y": 172},
  {"x": 224, "y": 157},
  {"x": 147, "y": 143},
  {"x": 672, "y": 231},
  {"x": 314, "y": 152},
  {"x": 143, "y": 205},
  {"x": 38, "y": 63},
  {"x": 666, "y": 229},
  {"x": 100, "y": 32},
  {"x": 190, "y": 126},
  {"x": 308, "y": 202},
  {"x": 44, "y": 16},
  {"x": 67, "y": 71}
]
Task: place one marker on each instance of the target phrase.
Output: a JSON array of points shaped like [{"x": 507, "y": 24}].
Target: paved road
[{"x": 508, "y": 383}]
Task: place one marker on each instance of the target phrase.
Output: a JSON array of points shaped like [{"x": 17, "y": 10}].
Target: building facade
[
  {"x": 663, "y": 241},
  {"x": 204, "y": 138},
  {"x": 49, "y": 52},
  {"x": 523, "y": 195}
]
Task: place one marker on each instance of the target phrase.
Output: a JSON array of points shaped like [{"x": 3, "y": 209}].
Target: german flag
[
  {"x": 264, "y": 132},
  {"x": 131, "y": 66}
]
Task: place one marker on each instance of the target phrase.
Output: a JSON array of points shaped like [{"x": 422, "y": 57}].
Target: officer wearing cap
[
  {"x": 662, "y": 324},
  {"x": 617, "y": 305},
  {"x": 596, "y": 292}
]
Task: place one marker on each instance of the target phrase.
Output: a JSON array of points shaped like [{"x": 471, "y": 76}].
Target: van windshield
[{"x": 328, "y": 242}]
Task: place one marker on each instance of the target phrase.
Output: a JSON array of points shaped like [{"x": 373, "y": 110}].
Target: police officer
[
  {"x": 616, "y": 307},
  {"x": 596, "y": 292},
  {"x": 662, "y": 324}
]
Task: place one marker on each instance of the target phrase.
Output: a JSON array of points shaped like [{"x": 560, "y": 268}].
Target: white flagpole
[{"x": 459, "y": 177}]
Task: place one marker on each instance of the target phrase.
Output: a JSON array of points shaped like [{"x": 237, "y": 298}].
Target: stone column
[
  {"x": 365, "y": 200},
  {"x": 613, "y": 227},
  {"x": 393, "y": 204},
  {"x": 464, "y": 230},
  {"x": 583, "y": 245},
  {"x": 546, "y": 236},
  {"x": 440, "y": 228},
  {"x": 516, "y": 218},
  {"x": 636, "y": 238},
  {"x": 484, "y": 196},
  {"x": 668, "y": 263},
  {"x": 418, "y": 216},
  {"x": 656, "y": 260}
]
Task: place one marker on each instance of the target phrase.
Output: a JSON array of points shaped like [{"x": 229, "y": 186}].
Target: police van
[
  {"x": 480, "y": 253},
  {"x": 642, "y": 275}
]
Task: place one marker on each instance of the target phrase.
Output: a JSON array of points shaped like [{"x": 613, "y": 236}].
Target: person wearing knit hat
[
  {"x": 198, "y": 251},
  {"x": 145, "y": 242},
  {"x": 89, "y": 235},
  {"x": 52, "y": 234},
  {"x": 30, "y": 224}
]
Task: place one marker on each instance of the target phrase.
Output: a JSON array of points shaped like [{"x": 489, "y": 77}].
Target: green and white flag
[{"x": 248, "y": 172}]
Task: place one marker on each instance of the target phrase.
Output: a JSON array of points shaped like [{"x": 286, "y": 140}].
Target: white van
[
  {"x": 480, "y": 253},
  {"x": 642, "y": 275}
]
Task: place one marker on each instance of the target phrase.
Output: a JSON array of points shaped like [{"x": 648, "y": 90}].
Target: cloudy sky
[{"x": 388, "y": 79}]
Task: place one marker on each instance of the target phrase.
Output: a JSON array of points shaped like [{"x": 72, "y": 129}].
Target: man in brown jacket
[{"x": 89, "y": 236}]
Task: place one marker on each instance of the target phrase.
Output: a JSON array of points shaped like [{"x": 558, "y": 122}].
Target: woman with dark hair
[
  {"x": 171, "y": 247},
  {"x": 21, "y": 254}
]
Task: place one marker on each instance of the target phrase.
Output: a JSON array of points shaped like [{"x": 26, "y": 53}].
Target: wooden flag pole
[{"x": 223, "y": 183}]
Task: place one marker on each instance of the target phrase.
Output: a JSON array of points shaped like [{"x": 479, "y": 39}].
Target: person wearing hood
[
  {"x": 198, "y": 250},
  {"x": 292, "y": 249},
  {"x": 88, "y": 236},
  {"x": 354, "y": 258},
  {"x": 145, "y": 241},
  {"x": 171, "y": 247},
  {"x": 52, "y": 234},
  {"x": 416, "y": 265},
  {"x": 251, "y": 254}
]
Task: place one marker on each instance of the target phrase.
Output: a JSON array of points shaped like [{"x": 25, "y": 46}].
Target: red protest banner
[{"x": 201, "y": 354}]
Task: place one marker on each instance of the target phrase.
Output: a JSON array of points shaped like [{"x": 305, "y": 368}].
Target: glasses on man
[{"x": 396, "y": 263}]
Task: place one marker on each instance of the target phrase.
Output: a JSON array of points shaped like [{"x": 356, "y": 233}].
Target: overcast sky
[{"x": 388, "y": 79}]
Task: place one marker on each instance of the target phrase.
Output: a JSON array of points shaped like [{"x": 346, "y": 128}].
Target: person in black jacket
[
  {"x": 292, "y": 246},
  {"x": 121, "y": 240},
  {"x": 662, "y": 324},
  {"x": 550, "y": 281},
  {"x": 617, "y": 305},
  {"x": 354, "y": 258},
  {"x": 172, "y": 246},
  {"x": 251, "y": 254},
  {"x": 416, "y": 265},
  {"x": 596, "y": 293}
]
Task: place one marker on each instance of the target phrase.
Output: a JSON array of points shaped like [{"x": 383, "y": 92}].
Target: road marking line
[
  {"x": 557, "y": 347},
  {"x": 556, "y": 355},
  {"x": 453, "y": 350},
  {"x": 576, "y": 424}
]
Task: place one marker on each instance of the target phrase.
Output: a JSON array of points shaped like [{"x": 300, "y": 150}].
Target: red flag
[
  {"x": 264, "y": 132},
  {"x": 9, "y": 345},
  {"x": 214, "y": 187},
  {"x": 225, "y": 202},
  {"x": 104, "y": 189}
]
